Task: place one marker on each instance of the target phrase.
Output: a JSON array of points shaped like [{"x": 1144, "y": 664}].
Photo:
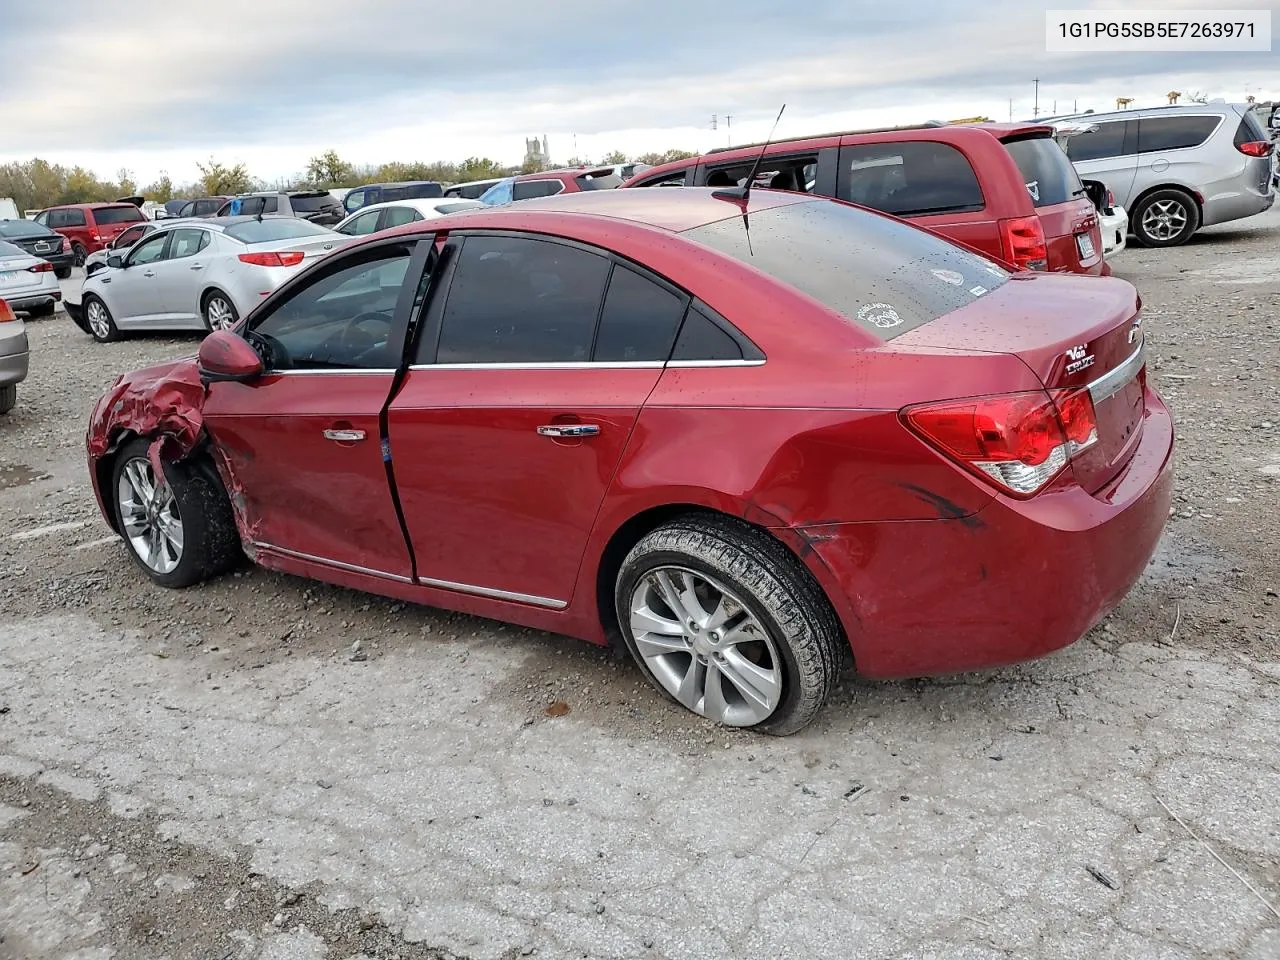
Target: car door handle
[
  {"x": 569, "y": 430},
  {"x": 344, "y": 436},
  {"x": 148, "y": 273},
  {"x": 197, "y": 266}
]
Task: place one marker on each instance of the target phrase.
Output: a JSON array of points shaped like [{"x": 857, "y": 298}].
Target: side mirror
[
  {"x": 226, "y": 356},
  {"x": 116, "y": 261}
]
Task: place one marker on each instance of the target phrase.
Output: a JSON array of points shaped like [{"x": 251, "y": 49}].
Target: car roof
[
  {"x": 563, "y": 173},
  {"x": 1159, "y": 109},
  {"x": 415, "y": 203},
  {"x": 396, "y": 183},
  {"x": 95, "y": 205},
  {"x": 674, "y": 210}
]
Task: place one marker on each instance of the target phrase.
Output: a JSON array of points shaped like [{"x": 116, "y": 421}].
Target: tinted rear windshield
[
  {"x": 276, "y": 228},
  {"x": 129, "y": 214},
  {"x": 23, "y": 228},
  {"x": 886, "y": 276},
  {"x": 313, "y": 202},
  {"x": 1048, "y": 174},
  {"x": 606, "y": 182}
]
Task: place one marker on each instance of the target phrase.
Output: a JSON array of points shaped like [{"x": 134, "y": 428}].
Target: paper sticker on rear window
[
  {"x": 879, "y": 315},
  {"x": 949, "y": 276}
]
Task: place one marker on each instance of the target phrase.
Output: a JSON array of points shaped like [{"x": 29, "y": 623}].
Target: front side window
[
  {"x": 354, "y": 201},
  {"x": 189, "y": 209},
  {"x": 362, "y": 225},
  {"x": 342, "y": 320},
  {"x": 1101, "y": 144},
  {"x": 677, "y": 178},
  {"x": 1174, "y": 133},
  {"x": 42, "y": 218},
  {"x": 520, "y": 300},
  {"x": 187, "y": 243},
  {"x": 129, "y": 237},
  {"x": 910, "y": 178},
  {"x": 150, "y": 250},
  {"x": 793, "y": 173}
]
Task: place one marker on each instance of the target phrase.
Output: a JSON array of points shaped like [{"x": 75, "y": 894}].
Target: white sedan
[
  {"x": 395, "y": 213},
  {"x": 199, "y": 274},
  {"x": 27, "y": 282}
]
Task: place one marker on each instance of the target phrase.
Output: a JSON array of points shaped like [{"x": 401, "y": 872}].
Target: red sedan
[{"x": 739, "y": 437}]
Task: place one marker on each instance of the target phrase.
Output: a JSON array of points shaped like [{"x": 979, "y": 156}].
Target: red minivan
[
  {"x": 90, "y": 226},
  {"x": 1006, "y": 189}
]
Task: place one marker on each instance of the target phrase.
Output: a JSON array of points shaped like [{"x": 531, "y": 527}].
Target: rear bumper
[
  {"x": 28, "y": 298},
  {"x": 1237, "y": 205},
  {"x": 1115, "y": 231},
  {"x": 14, "y": 356},
  {"x": 1015, "y": 581}
]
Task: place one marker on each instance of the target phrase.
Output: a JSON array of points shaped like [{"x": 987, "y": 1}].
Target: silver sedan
[
  {"x": 199, "y": 274},
  {"x": 27, "y": 283}
]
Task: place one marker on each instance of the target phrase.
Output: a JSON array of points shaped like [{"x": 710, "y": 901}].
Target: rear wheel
[
  {"x": 178, "y": 527},
  {"x": 98, "y": 317},
  {"x": 219, "y": 312},
  {"x": 722, "y": 619},
  {"x": 79, "y": 253},
  {"x": 8, "y": 397},
  {"x": 1165, "y": 218}
]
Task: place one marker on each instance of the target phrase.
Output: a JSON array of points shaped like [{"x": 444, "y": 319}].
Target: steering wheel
[{"x": 356, "y": 341}]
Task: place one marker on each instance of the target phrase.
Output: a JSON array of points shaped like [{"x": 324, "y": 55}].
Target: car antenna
[{"x": 742, "y": 194}]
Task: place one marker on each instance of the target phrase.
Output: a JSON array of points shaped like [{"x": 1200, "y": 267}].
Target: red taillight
[
  {"x": 1111, "y": 199},
  {"x": 66, "y": 245},
  {"x": 1024, "y": 244},
  {"x": 1256, "y": 148},
  {"x": 1018, "y": 441},
  {"x": 6, "y": 313},
  {"x": 44, "y": 266},
  {"x": 290, "y": 258}
]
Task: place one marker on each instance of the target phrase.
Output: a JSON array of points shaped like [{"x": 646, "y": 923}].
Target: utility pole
[
  {"x": 728, "y": 126},
  {"x": 1075, "y": 106},
  {"x": 1011, "y": 109},
  {"x": 713, "y": 121},
  {"x": 1036, "y": 109},
  {"x": 1055, "y": 108}
]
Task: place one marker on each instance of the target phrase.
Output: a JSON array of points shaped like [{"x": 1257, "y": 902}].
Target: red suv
[
  {"x": 1006, "y": 189},
  {"x": 90, "y": 226},
  {"x": 548, "y": 183}
]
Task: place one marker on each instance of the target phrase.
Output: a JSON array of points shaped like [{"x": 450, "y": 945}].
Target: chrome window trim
[
  {"x": 589, "y": 365},
  {"x": 338, "y": 372},
  {"x": 1112, "y": 382},
  {"x": 336, "y": 564},
  {"x": 492, "y": 593}
]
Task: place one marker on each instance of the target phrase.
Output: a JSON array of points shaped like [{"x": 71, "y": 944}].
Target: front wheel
[
  {"x": 219, "y": 312},
  {"x": 178, "y": 527},
  {"x": 8, "y": 398},
  {"x": 725, "y": 621},
  {"x": 1166, "y": 218},
  {"x": 101, "y": 324}
]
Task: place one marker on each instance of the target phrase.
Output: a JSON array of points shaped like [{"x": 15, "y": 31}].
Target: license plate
[
  {"x": 1085, "y": 244},
  {"x": 11, "y": 278},
  {"x": 44, "y": 247}
]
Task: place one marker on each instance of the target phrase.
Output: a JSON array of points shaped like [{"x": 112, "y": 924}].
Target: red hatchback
[
  {"x": 90, "y": 226},
  {"x": 678, "y": 420},
  {"x": 1006, "y": 189},
  {"x": 548, "y": 183}
]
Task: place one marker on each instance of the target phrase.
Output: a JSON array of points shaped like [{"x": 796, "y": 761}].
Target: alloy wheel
[
  {"x": 150, "y": 516},
  {"x": 222, "y": 316},
  {"x": 99, "y": 322},
  {"x": 705, "y": 647},
  {"x": 1164, "y": 219}
]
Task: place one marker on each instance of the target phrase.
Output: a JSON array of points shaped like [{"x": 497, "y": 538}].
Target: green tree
[
  {"x": 217, "y": 178},
  {"x": 83, "y": 186},
  {"x": 125, "y": 181},
  {"x": 479, "y": 168},
  {"x": 613, "y": 157},
  {"x": 161, "y": 191},
  {"x": 330, "y": 170}
]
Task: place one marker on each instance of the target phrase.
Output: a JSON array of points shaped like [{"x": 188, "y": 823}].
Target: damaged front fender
[{"x": 163, "y": 402}]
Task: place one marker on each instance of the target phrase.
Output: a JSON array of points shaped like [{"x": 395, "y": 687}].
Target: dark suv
[
  {"x": 318, "y": 206},
  {"x": 372, "y": 193},
  {"x": 1006, "y": 189}
]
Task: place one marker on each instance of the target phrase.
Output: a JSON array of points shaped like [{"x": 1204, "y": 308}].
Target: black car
[
  {"x": 371, "y": 193},
  {"x": 318, "y": 206},
  {"x": 39, "y": 241}
]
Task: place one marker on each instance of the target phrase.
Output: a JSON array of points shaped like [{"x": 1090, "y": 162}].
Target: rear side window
[
  {"x": 909, "y": 178},
  {"x": 639, "y": 320},
  {"x": 1048, "y": 174},
  {"x": 793, "y": 173},
  {"x": 399, "y": 216},
  {"x": 1105, "y": 142},
  {"x": 425, "y": 191},
  {"x": 1250, "y": 130},
  {"x": 129, "y": 214},
  {"x": 527, "y": 189},
  {"x": 205, "y": 207},
  {"x": 885, "y": 276},
  {"x": 605, "y": 182},
  {"x": 519, "y": 300},
  {"x": 68, "y": 218},
  {"x": 677, "y": 178},
  {"x": 701, "y": 338},
  {"x": 1174, "y": 133}
]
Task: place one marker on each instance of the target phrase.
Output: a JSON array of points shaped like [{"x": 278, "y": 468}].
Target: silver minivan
[{"x": 1179, "y": 168}]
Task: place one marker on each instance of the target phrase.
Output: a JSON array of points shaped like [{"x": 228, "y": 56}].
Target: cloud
[{"x": 277, "y": 81}]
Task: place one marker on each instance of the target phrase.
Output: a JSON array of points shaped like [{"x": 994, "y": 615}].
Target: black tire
[
  {"x": 112, "y": 332},
  {"x": 62, "y": 273},
  {"x": 1171, "y": 202},
  {"x": 211, "y": 544},
  {"x": 217, "y": 296},
  {"x": 44, "y": 310},
  {"x": 774, "y": 587},
  {"x": 8, "y": 398},
  {"x": 78, "y": 253}
]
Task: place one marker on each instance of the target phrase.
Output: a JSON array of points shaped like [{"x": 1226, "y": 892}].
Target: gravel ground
[{"x": 213, "y": 773}]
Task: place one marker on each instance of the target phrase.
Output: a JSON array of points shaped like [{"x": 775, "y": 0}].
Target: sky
[{"x": 157, "y": 85}]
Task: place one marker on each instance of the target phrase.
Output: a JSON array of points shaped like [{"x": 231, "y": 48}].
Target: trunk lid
[
  {"x": 1072, "y": 333},
  {"x": 309, "y": 246}
]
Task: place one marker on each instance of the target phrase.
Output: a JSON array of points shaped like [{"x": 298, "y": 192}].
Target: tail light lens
[
  {"x": 1111, "y": 199},
  {"x": 1024, "y": 244},
  {"x": 1255, "y": 148},
  {"x": 6, "y": 313},
  {"x": 1018, "y": 442},
  {"x": 44, "y": 266},
  {"x": 289, "y": 258},
  {"x": 66, "y": 245}
]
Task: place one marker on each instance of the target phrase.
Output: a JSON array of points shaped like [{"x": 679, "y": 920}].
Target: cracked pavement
[{"x": 214, "y": 773}]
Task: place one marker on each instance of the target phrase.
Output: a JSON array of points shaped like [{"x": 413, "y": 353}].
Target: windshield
[
  {"x": 276, "y": 228},
  {"x": 885, "y": 276},
  {"x": 1048, "y": 174}
]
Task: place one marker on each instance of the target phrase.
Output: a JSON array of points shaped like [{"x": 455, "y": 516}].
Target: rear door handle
[
  {"x": 148, "y": 273},
  {"x": 197, "y": 266},
  {"x": 344, "y": 436},
  {"x": 569, "y": 430}
]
